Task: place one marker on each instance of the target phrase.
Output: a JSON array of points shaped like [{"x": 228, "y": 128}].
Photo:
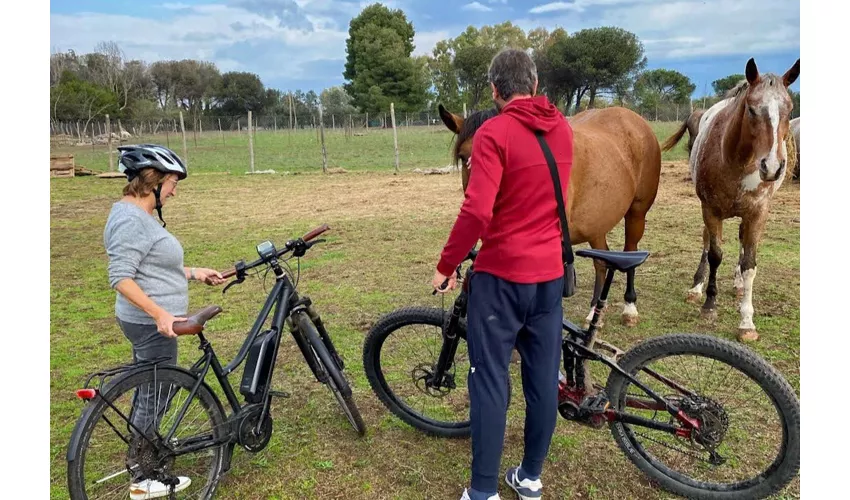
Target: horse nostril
[{"x": 763, "y": 166}]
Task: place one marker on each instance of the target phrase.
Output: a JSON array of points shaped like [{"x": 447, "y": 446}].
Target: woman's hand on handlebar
[{"x": 209, "y": 276}]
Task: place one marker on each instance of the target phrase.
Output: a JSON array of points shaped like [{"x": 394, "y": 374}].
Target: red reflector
[{"x": 86, "y": 393}]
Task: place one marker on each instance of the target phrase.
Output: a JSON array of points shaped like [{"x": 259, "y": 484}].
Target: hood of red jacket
[{"x": 536, "y": 113}]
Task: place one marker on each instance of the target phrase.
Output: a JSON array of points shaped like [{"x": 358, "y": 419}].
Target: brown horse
[
  {"x": 739, "y": 160},
  {"x": 691, "y": 126},
  {"x": 615, "y": 174}
]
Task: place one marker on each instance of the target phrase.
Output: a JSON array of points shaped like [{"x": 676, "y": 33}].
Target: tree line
[{"x": 592, "y": 67}]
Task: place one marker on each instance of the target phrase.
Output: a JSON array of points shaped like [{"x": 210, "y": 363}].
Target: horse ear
[
  {"x": 791, "y": 75},
  {"x": 752, "y": 71},
  {"x": 452, "y": 121}
]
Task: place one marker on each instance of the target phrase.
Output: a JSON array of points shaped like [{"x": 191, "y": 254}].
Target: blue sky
[{"x": 300, "y": 44}]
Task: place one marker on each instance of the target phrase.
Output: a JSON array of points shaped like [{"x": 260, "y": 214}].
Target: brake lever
[{"x": 240, "y": 276}]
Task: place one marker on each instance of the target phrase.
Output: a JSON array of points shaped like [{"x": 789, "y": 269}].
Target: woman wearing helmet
[{"x": 146, "y": 269}]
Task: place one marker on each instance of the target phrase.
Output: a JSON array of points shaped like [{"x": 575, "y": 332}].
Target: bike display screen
[{"x": 266, "y": 250}]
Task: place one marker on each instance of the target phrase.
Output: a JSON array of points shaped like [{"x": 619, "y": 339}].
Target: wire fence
[{"x": 292, "y": 142}]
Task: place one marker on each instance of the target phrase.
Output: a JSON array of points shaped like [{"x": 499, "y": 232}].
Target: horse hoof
[
  {"x": 693, "y": 297},
  {"x": 739, "y": 292},
  {"x": 708, "y": 314},
  {"x": 747, "y": 335},
  {"x": 630, "y": 320}
]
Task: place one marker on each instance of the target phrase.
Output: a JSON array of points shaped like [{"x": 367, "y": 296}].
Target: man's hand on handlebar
[{"x": 442, "y": 283}]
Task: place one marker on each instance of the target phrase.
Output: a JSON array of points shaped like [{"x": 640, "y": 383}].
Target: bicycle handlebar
[
  {"x": 290, "y": 245},
  {"x": 315, "y": 232}
]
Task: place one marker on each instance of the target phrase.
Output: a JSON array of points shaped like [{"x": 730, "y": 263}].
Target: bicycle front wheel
[
  {"x": 401, "y": 353},
  {"x": 336, "y": 382},
  {"x": 147, "y": 431},
  {"x": 747, "y": 444}
]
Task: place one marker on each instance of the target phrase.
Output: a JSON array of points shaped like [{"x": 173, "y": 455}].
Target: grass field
[{"x": 387, "y": 231}]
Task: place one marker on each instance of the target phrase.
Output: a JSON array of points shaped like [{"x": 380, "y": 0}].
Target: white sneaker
[
  {"x": 466, "y": 496},
  {"x": 155, "y": 489},
  {"x": 525, "y": 489}
]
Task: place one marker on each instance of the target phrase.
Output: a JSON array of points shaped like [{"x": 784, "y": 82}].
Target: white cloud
[
  {"x": 553, "y": 7},
  {"x": 175, "y": 6},
  {"x": 680, "y": 29},
  {"x": 231, "y": 37},
  {"x": 425, "y": 41},
  {"x": 476, "y": 7},
  {"x": 580, "y": 5}
]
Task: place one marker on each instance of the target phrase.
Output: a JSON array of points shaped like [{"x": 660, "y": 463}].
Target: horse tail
[{"x": 675, "y": 138}]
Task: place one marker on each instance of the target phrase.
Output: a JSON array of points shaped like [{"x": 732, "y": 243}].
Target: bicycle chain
[{"x": 684, "y": 452}]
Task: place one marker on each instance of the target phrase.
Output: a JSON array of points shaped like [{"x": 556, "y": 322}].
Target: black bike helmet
[{"x": 134, "y": 158}]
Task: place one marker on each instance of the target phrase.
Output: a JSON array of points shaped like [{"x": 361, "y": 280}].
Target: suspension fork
[
  {"x": 450, "y": 342},
  {"x": 323, "y": 333}
]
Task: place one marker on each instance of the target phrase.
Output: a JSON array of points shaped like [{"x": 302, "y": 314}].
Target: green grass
[{"x": 387, "y": 232}]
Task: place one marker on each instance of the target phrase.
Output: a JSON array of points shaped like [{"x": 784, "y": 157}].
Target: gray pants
[{"x": 151, "y": 401}]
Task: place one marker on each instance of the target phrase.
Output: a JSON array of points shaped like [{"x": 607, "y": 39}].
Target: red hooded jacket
[{"x": 510, "y": 199}]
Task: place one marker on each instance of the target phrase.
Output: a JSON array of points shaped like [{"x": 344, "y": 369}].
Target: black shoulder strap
[{"x": 559, "y": 196}]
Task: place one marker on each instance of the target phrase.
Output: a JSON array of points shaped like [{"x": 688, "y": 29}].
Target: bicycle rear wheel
[
  {"x": 748, "y": 441},
  {"x": 107, "y": 455},
  {"x": 336, "y": 380}
]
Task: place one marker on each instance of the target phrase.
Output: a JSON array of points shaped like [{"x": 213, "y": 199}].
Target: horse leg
[
  {"x": 695, "y": 292},
  {"x": 751, "y": 230},
  {"x": 597, "y": 244},
  {"x": 714, "y": 226},
  {"x": 739, "y": 278},
  {"x": 635, "y": 225}
]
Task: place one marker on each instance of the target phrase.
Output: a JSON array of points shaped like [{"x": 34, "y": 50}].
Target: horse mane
[
  {"x": 741, "y": 87},
  {"x": 470, "y": 125}
]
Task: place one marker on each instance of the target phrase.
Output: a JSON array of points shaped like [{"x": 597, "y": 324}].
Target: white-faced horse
[{"x": 739, "y": 160}]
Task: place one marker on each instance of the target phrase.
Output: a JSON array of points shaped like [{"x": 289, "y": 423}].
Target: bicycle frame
[
  {"x": 286, "y": 303},
  {"x": 575, "y": 353}
]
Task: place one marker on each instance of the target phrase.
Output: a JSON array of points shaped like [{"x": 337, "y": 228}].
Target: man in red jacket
[{"x": 515, "y": 294}]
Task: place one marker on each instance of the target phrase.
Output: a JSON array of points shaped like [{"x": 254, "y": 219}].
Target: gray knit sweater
[{"x": 139, "y": 248}]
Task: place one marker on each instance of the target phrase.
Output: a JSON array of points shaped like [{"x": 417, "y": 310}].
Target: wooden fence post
[
  {"x": 221, "y": 133},
  {"x": 324, "y": 151},
  {"x": 395, "y": 134},
  {"x": 185, "y": 149},
  {"x": 251, "y": 140},
  {"x": 109, "y": 142}
]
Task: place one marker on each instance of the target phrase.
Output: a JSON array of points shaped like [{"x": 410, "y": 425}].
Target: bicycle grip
[
  {"x": 442, "y": 287},
  {"x": 315, "y": 232}
]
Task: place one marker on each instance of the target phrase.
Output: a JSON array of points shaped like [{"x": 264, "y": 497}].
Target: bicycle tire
[
  {"x": 336, "y": 381},
  {"x": 784, "y": 467},
  {"x": 95, "y": 409},
  {"x": 372, "y": 364}
]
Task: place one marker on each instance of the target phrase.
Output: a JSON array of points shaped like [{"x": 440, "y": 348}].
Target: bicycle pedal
[
  {"x": 597, "y": 403},
  {"x": 279, "y": 394}
]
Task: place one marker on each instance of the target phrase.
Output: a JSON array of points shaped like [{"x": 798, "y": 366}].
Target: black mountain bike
[
  {"x": 161, "y": 422},
  {"x": 702, "y": 416}
]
